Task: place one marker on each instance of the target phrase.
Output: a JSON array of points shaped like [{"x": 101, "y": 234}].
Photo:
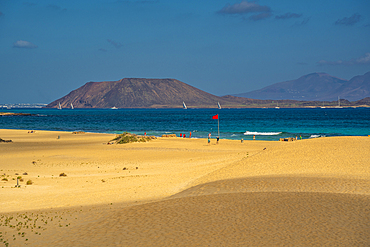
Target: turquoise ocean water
[{"x": 265, "y": 124}]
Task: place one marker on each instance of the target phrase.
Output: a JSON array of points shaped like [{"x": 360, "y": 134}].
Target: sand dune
[
  {"x": 236, "y": 219},
  {"x": 183, "y": 192}
]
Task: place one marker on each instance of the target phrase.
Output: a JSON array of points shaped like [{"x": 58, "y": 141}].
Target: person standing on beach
[
  {"x": 218, "y": 138},
  {"x": 254, "y": 137},
  {"x": 190, "y": 134}
]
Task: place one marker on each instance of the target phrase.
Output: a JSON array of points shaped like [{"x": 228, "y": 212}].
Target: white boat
[
  {"x": 183, "y": 103},
  {"x": 72, "y": 106},
  {"x": 114, "y": 108},
  {"x": 338, "y": 103},
  {"x": 218, "y": 104},
  {"x": 59, "y": 107},
  {"x": 277, "y": 105}
]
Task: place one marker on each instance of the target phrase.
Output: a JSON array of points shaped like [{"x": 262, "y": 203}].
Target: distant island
[{"x": 172, "y": 93}]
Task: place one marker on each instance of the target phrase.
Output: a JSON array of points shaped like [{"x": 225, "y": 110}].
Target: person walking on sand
[
  {"x": 190, "y": 134},
  {"x": 218, "y": 138},
  {"x": 254, "y": 137}
]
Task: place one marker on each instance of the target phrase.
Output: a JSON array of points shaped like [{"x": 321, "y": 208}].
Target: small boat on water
[
  {"x": 218, "y": 104},
  {"x": 59, "y": 107},
  {"x": 183, "y": 104},
  {"x": 114, "y": 108},
  {"x": 72, "y": 106},
  {"x": 338, "y": 103},
  {"x": 277, "y": 105}
]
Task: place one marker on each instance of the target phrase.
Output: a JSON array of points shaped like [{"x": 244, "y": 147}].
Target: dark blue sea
[{"x": 265, "y": 124}]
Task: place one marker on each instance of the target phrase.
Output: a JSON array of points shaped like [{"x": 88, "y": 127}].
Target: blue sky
[{"x": 49, "y": 48}]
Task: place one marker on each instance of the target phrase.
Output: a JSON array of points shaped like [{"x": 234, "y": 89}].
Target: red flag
[{"x": 215, "y": 117}]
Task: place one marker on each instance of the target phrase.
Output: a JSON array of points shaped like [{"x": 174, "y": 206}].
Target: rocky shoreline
[{"x": 15, "y": 114}]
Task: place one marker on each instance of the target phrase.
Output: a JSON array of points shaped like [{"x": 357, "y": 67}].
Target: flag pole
[{"x": 218, "y": 121}]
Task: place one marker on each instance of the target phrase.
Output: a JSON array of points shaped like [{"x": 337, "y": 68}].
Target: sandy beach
[{"x": 182, "y": 192}]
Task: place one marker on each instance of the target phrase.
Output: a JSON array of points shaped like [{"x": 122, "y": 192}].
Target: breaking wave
[
  {"x": 247, "y": 133},
  {"x": 316, "y": 136}
]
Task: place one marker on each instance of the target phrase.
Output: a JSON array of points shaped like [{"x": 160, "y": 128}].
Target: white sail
[
  {"x": 72, "y": 106},
  {"x": 59, "y": 107},
  {"x": 219, "y": 106},
  {"x": 183, "y": 103},
  {"x": 339, "y": 103}
]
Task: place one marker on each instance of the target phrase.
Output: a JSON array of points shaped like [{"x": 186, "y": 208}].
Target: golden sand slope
[
  {"x": 310, "y": 192},
  {"x": 237, "y": 219}
]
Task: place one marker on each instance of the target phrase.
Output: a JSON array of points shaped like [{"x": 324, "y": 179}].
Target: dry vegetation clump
[
  {"x": 2, "y": 140},
  {"x": 62, "y": 175},
  {"x": 29, "y": 182},
  {"x": 170, "y": 135},
  {"x": 128, "y": 138}
]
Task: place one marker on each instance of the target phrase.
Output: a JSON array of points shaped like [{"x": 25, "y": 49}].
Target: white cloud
[
  {"x": 363, "y": 59},
  {"x": 355, "y": 61},
  {"x": 244, "y": 7},
  {"x": 24, "y": 44}
]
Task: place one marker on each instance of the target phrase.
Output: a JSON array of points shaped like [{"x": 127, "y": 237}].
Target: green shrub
[{"x": 128, "y": 138}]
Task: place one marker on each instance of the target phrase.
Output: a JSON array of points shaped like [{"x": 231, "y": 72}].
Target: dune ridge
[{"x": 184, "y": 192}]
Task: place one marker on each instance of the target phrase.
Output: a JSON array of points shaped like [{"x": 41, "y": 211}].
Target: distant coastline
[{"x": 15, "y": 114}]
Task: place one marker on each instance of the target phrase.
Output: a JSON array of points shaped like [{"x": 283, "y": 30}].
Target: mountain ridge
[
  {"x": 137, "y": 93},
  {"x": 314, "y": 86},
  {"x": 171, "y": 93}
]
